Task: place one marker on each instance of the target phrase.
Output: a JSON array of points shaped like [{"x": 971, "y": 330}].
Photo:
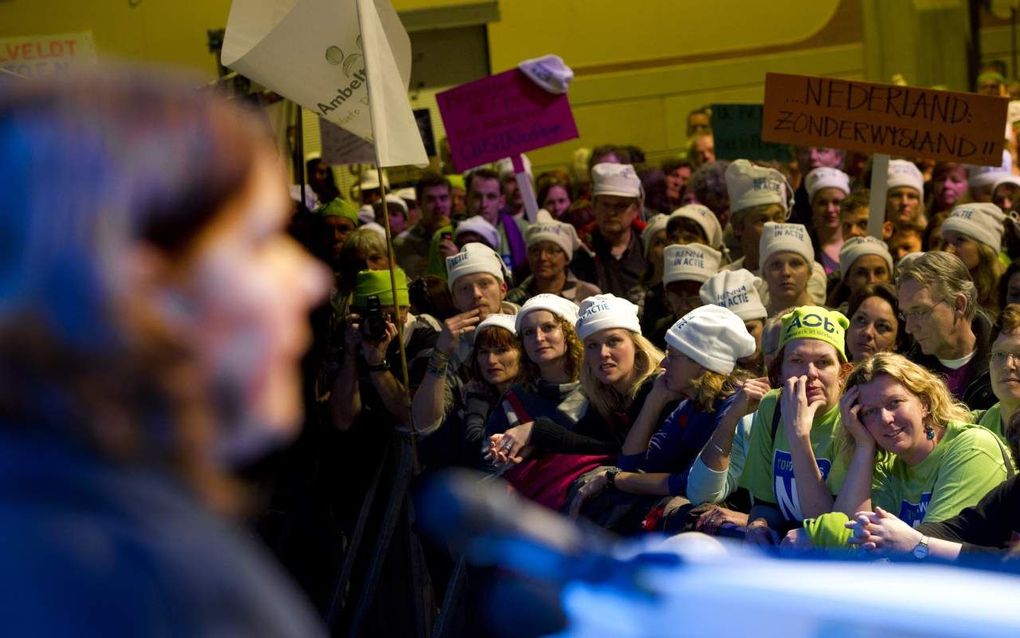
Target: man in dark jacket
[{"x": 938, "y": 300}]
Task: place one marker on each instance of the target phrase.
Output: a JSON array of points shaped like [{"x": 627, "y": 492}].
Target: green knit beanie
[
  {"x": 814, "y": 322},
  {"x": 339, "y": 207},
  {"x": 377, "y": 282}
]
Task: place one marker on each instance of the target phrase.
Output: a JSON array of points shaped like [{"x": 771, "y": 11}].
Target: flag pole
[{"x": 389, "y": 242}]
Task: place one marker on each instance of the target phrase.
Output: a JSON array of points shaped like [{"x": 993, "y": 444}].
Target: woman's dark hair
[
  {"x": 547, "y": 180},
  {"x": 327, "y": 190},
  {"x": 888, "y": 294},
  {"x": 96, "y": 166},
  {"x": 495, "y": 337}
]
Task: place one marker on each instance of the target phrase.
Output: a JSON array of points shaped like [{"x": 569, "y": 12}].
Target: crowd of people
[
  {"x": 703, "y": 346},
  {"x": 709, "y": 345}
]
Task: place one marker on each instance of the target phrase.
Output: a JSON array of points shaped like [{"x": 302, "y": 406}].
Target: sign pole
[
  {"x": 876, "y": 203},
  {"x": 524, "y": 184}
]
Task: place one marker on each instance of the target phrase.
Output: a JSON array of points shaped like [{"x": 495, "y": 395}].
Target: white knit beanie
[
  {"x": 1006, "y": 179},
  {"x": 601, "y": 312},
  {"x": 474, "y": 258},
  {"x": 507, "y": 322},
  {"x": 563, "y": 235},
  {"x": 477, "y": 225},
  {"x": 982, "y": 222},
  {"x": 979, "y": 176},
  {"x": 562, "y": 308},
  {"x": 904, "y": 173},
  {"x": 784, "y": 237},
  {"x": 825, "y": 177},
  {"x": 749, "y": 185},
  {"x": 736, "y": 290},
  {"x": 655, "y": 224},
  {"x": 857, "y": 247},
  {"x": 713, "y": 337},
  {"x": 689, "y": 262},
  {"x": 615, "y": 179},
  {"x": 705, "y": 218}
]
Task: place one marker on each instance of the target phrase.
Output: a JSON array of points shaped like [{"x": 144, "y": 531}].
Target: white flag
[{"x": 314, "y": 53}]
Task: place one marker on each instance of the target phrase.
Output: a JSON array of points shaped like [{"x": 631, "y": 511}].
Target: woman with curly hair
[
  {"x": 551, "y": 389},
  {"x": 913, "y": 452},
  {"x": 704, "y": 347},
  {"x": 973, "y": 232}
]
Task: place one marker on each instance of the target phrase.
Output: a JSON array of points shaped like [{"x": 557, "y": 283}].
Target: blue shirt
[{"x": 673, "y": 448}]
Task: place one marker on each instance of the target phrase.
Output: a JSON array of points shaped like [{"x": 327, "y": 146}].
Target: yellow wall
[
  {"x": 641, "y": 65},
  {"x": 171, "y": 31}
]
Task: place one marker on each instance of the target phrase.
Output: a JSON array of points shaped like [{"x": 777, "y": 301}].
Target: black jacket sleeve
[{"x": 985, "y": 527}]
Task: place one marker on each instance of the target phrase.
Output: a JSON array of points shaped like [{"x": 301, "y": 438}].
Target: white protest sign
[
  {"x": 47, "y": 55},
  {"x": 313, "y": 52}
]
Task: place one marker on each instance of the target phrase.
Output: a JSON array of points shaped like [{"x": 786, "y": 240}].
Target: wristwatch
[
  {"x": 379, "y": 367},
  {"x": 611, "y": 477},
  {"x": 921, "y": 549}
]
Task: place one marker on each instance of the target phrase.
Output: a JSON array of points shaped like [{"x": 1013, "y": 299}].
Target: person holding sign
[
  {"x": 938, "y": 300},
  {"x": 794, "y": 467},
  {"x": 787, "y": 260}
]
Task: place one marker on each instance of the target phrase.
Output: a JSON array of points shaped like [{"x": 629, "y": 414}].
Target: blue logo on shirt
[
  {"x": 786, "y": 486},
  {"x": 913, "y": 513}
]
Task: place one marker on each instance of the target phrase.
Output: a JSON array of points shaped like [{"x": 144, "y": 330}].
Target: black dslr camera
[{"x": 373, "y": 324}]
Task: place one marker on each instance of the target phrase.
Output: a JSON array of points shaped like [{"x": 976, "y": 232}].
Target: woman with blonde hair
[
  {"x": 620, "y": 364},
  {"x": 913, "y": 452},
  {"x": 973, "y": 232},
  {"x": 704, "y": 347}
]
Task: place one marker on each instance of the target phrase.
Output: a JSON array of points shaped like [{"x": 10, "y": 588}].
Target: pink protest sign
[{"x": 500, "y": 116}]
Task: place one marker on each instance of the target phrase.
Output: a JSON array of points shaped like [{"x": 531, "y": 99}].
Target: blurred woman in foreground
[{"x": 152, "y": 314}]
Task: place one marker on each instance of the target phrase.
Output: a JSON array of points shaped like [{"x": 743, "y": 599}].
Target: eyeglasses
[
  {"x": 917, "y": 314},
  {"x": 1003, "y": 358}
]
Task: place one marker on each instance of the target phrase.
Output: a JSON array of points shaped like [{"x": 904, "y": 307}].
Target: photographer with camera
[{"x": 368, "y": 385}]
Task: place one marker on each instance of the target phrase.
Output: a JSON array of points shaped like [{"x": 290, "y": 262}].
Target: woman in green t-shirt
[
  {"x": 792, "y": 469},
  {"x": 1004, "y": 369},
  {"x": 913, "y": 453}
]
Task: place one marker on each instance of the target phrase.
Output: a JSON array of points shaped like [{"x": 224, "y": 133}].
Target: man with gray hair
[{"x": 938, "y": 301}]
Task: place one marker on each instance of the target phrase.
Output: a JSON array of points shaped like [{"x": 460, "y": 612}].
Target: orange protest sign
[{"x": 884, "y": 118}]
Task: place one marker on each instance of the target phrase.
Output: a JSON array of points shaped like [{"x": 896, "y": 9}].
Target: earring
[{"x": 929, "y": 432}]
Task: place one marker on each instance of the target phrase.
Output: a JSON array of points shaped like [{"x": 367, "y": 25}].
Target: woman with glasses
[
  {"x": 1004, "y": 368},
  {"x": 551, "y": 246},
  {"x": 913, "y": 454}
]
